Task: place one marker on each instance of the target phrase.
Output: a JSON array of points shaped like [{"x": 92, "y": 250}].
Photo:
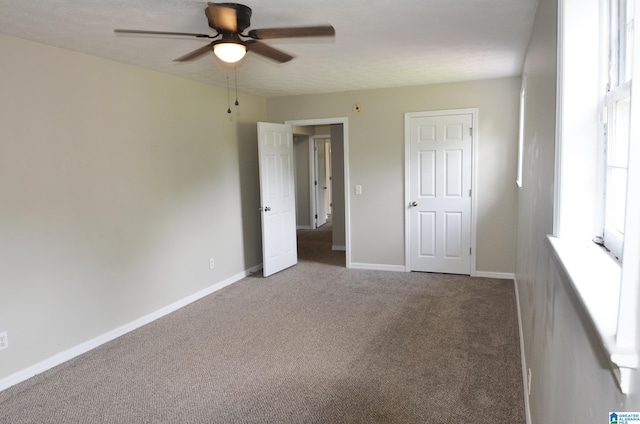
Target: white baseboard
[
  {"x": 343, "y": 248},
  {"x": 71, "y": 353},
  {"x": 498, "y": 275},
  {"x": 378, "y": 267},
  {"x": 523, "y": 358}
]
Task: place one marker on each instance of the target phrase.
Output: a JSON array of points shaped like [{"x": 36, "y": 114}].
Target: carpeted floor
[{"x": 317, "y": 343}]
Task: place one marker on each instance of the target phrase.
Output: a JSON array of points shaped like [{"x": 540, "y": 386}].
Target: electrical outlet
[
  {"x": 4, "y": 340},
  {"x": 212, "y": 263}
]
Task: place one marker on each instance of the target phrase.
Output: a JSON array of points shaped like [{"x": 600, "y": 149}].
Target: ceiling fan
[{"x": 229, "y": 20}]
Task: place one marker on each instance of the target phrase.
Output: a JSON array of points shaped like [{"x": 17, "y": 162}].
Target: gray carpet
[{"x": 317, "y": 343}]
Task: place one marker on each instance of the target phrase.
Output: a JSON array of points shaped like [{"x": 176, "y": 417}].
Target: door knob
[{"x": 414, "y": 204}]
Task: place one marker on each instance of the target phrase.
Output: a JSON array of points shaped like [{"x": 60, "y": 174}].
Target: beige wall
[
  {"x": 117, "y": 185},
  {"x": 376, "y": 161},
  {"x": 570, "y": 382}
]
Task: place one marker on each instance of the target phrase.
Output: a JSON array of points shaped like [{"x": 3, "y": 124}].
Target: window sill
[{"x": 587, "y": 266}]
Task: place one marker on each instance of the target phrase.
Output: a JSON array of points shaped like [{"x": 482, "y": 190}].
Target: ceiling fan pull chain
[
  {"x": 235, "y": 73},
  {"x": 228, "y": 104}
]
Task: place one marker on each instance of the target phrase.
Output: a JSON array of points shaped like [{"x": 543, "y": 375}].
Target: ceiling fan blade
[
  {"x": 222, "y": 18},
  {"x": 268, "y": 51},
  {"x": 137, "y": 31},
  {"x": 291, "y": 32},
  {"x": 196, "y": 53}
]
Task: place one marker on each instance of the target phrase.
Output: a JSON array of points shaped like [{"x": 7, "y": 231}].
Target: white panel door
[
  {"x": 328, "y": 183},
  {"x": 440, "y": 193},
  {"x": 277, "y": 197},
  {"x": 320, "y": 183}
]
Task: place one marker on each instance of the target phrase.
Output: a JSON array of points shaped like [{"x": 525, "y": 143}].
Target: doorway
[{"x": 339, "y": 203}]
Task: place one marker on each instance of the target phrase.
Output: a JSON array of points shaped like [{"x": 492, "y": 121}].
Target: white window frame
[
  {"x": 618, "y": 87},
  {"x": 613, "y": 239},
  {"x": 523, "y": 96},
  {"x": 608, "y": 290}
]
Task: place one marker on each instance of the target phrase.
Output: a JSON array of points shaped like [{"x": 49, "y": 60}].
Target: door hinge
[
  {"x": 469, "y": 192},
  {"x": 471, "y": 132},
  {"x": 469, "y": 250},
  {"x": 316, "y": 216},
  {"x": 315, "y": 183}
]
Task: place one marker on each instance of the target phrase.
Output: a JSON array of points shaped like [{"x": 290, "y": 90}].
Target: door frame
[
  {"x": 407, "y": 179},
  {"x": 347, "y": 196},
  {"x": 313, "y": 156}
]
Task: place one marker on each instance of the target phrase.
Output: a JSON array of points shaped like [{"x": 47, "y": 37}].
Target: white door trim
[
  {"x": 407, "y": 179},
  {"x": 347, "y": 196}
]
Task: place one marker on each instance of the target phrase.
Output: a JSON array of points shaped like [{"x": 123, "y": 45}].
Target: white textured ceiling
[{"x": 378, "y": 43}]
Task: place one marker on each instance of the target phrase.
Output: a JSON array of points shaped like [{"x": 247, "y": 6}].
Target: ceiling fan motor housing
[{"x": 243, "y": 17}]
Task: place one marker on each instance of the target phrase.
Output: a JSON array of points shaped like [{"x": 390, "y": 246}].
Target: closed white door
[
  {"x": 320, "y": 183},
  {"x": 277, "y": 197},
  {"x": 328, "y": 183},
  {"x": 440, "y": 193}
]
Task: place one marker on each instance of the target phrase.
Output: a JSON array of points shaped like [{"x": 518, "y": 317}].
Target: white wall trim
[
  {"x": 474, "y": 180},
  {"x": 335, "y": 247},
  {"x": 523, "y": 358},
  {"x": 499, "y": 275},
  {"x": 378, "y": 267},
  {"x": 347, "y": 195},
  {"x": 78, "y": 350}
]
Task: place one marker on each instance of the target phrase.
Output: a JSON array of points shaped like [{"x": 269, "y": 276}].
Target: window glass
[
  {"x": 618, "y": 104},
  {"x": 628, "y": 40}
]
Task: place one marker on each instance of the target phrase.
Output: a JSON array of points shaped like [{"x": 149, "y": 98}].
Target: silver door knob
[{"x": 414, "y": 204}]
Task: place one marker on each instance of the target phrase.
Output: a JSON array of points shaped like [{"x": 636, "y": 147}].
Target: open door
[
  {"x": 320, "y": 183},
  {"x": 277, "y": 197}
]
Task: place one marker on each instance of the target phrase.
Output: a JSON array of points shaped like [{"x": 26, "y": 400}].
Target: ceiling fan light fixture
[{"x": 229, "y": 52}]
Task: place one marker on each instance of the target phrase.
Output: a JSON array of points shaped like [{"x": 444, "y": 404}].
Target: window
[
  {"x": 523, "y": 94},
  {"x": 617, "y": 115},
  {"x": 597, "y": 173}
]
